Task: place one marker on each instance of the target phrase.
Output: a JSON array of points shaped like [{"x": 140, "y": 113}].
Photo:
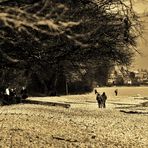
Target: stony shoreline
[{"x": 41, "y": 126}]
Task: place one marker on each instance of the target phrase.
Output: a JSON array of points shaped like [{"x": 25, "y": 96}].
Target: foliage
[
  {"x": 69, "y": 30},
  {"x": 38, "y": 34}
]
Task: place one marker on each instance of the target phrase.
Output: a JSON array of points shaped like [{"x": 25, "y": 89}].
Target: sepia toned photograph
[{"x": 73, "y": 73}]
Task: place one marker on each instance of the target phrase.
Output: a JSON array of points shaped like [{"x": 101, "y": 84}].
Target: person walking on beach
[
  {"x": 104, "y": 98},
  {"x": 99, "y": 100}
]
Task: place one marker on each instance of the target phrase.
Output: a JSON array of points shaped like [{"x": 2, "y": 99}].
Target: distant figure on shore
[
  {"x": 99, "y": 100},
  {"x": 104, "y": 98},
  {"x": 116, "y": 92}
]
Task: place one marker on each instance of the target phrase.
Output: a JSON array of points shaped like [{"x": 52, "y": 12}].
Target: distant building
[{"x": 123, "y": 76}]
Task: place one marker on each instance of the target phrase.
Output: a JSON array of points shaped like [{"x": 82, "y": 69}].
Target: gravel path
[{"x": 82, "y": 126}]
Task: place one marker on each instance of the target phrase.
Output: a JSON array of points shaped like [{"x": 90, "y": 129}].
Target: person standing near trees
[
  {"x": 24, "y": 93},
  {"x": 7, "y": 91},
  {"x": 7, "y": 95}
]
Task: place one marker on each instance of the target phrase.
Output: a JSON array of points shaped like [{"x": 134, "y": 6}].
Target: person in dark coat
[
  {"x": 7, "y": 96},
  {"x": 12, "y": 96},
  {"x": 104, "y": 98},
  {"x": 99, "y": 100},
  {"x": 24, "y": 93},
  {"x": 116, "y": 92}
]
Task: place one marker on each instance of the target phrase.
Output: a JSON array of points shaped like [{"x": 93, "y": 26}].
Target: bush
[{"x": 79, "y": 87}]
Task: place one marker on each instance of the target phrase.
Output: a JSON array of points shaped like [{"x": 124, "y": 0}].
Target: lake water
[{"x": 125, "y": 91}]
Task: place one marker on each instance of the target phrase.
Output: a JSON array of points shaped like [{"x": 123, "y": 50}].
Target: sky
[{"x": 141, "y": 61}]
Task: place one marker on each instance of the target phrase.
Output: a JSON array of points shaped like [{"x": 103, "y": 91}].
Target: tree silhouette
[{"x": 38, "y": 33}]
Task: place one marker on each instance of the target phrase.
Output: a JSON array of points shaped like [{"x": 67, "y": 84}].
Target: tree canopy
[
  {"x": 55, "y": 30},
  {"x": 37, "y": 34}
]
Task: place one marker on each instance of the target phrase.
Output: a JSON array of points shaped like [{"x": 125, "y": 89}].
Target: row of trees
[{"x": 51, "y": 43}]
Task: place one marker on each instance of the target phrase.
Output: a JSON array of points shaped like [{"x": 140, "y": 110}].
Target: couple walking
[{"x": 101, "y": 99}]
